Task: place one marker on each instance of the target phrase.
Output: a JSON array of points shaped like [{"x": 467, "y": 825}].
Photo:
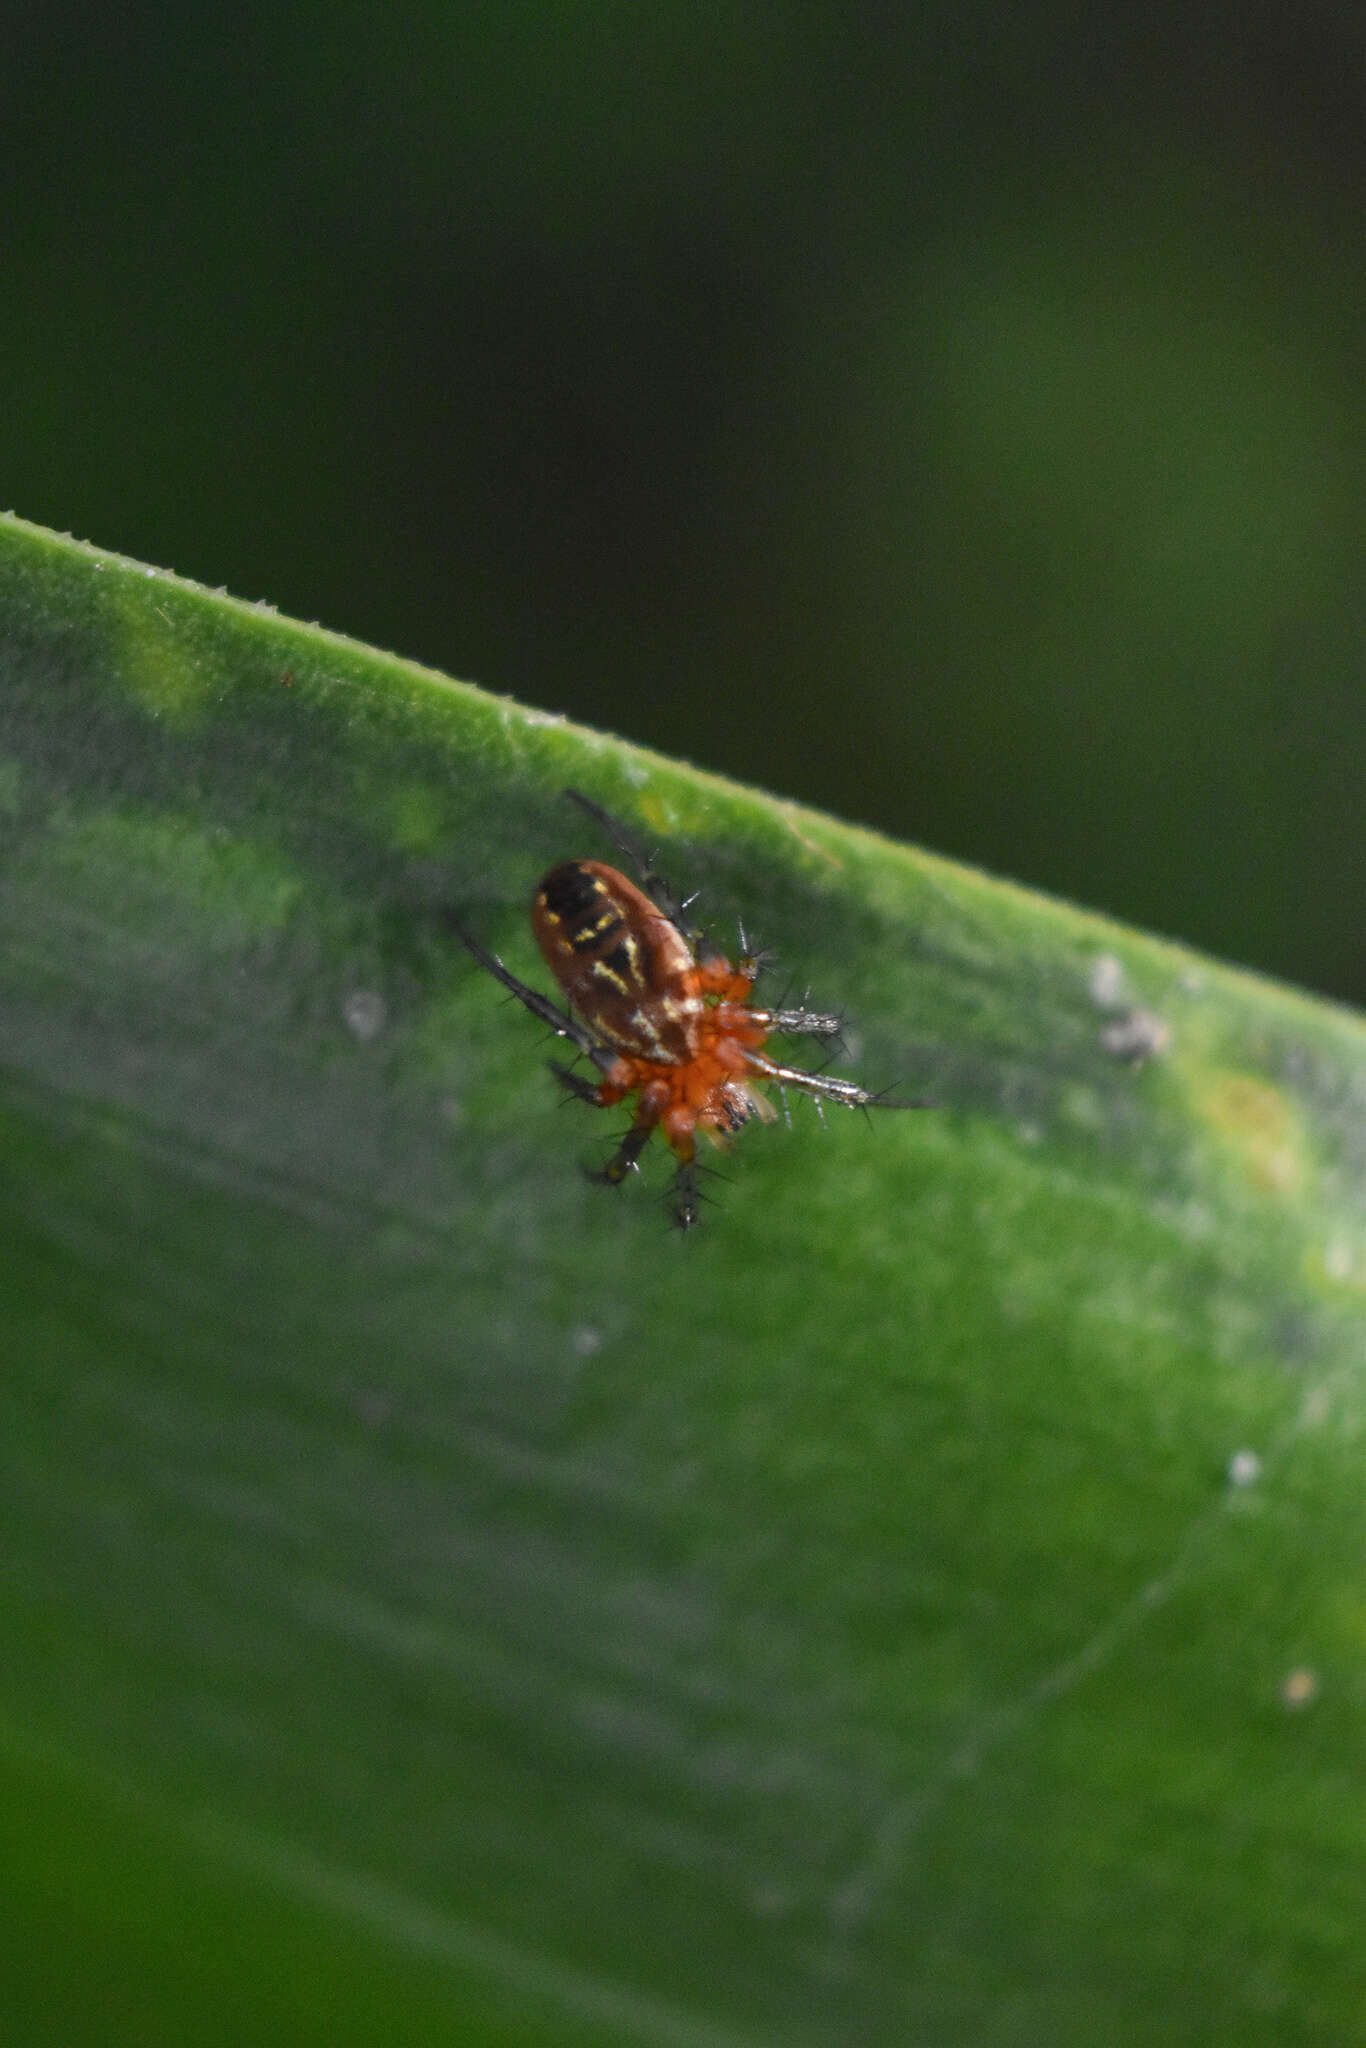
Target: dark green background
[{"x": 950, "y": 415}]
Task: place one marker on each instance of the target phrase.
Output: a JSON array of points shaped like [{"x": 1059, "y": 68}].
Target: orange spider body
[{"x": 682, "y": 1030}]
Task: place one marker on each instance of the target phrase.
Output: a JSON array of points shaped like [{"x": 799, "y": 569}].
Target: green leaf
[{"x": 441, "y": 1603}]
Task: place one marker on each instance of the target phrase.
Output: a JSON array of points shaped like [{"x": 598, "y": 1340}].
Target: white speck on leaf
[
  {"x": 1244, "y": 1468},
  {"x": 1106, "y": 982},
  {"x": 364, "y": 1014}
]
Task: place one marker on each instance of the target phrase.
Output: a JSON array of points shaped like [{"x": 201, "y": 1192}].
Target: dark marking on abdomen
[{"x": 583, "y": 908}]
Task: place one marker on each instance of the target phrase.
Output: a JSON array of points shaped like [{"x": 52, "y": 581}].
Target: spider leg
[
  {"x": 826, "y": 1087},
  {"x": 575, "y": 1084},
  {"x": 800, "y": 1023},
  {"x": 626, "y": 1157},
  {"x": 686, "y": 1194},
  {"x": 651, "y": 881},
  {"x": 559, "y": 1021},
  {"x": 756, "y": 961}
]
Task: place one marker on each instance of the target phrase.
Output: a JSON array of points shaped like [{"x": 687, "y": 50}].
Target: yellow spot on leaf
[
  {"x": 1256, "y": 1121},
  {"x": 1299, "y": 1688}
]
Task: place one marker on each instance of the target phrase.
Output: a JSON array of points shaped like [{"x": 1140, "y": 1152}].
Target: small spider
[{"x": 660, "y": 1013}]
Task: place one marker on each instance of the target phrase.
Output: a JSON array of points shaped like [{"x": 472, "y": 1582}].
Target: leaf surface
[{"x": 443, "y": 1604}]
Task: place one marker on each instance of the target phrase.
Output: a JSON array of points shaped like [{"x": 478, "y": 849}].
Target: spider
[{"x": 661, "y": 1014}]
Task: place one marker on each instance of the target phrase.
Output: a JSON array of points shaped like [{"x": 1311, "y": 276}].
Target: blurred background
[{"x": 949, "y": 415}]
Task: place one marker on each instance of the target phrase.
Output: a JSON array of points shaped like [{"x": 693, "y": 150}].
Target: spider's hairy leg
[
  {"x": 800, "y": 1023},
  {"x": 559, "y": 1021},
  {"x": 577, "y": 1085},
  {"x": 685, "y": 1195},
  {"x": 626, "y": 1157},
  {"x": 755, "y": 961},
  {"x": 651, "y": 881},
  {"x": 827, "y": 1087}
]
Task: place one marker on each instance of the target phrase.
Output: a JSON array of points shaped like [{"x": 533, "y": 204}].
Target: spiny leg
[
  {"x": 626, "y": 1157},
  {"x": 796, "y": 1020},
  {"x": 651, "y": 881},
  {"x": 827, "y": 1087},
  {"x": 754, "y": 962},
  {"x": 577, "y": 1085},
  {"x": 800, "y": 1023},
  {"x": 686, "y": 1195},
  {"x": 560, "y": 1022}
]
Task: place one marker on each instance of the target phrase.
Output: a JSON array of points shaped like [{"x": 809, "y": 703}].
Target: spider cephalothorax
[{"x": 660, "y": 1014}]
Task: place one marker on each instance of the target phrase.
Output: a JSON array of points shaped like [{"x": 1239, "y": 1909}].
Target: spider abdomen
[{"x": 627, "y": 970}]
